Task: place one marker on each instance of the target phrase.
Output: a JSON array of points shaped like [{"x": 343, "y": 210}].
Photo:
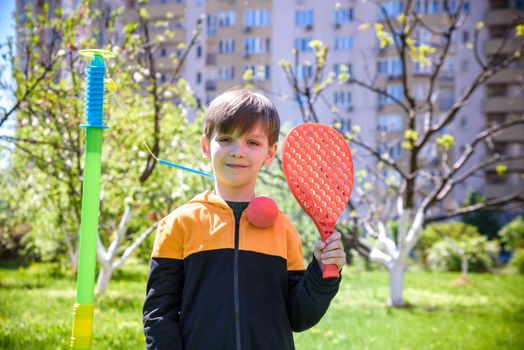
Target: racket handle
[{"x": 330, "y": 271}]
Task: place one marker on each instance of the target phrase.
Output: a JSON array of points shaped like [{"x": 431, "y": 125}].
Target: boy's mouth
[{"x": 236, "y": 166}]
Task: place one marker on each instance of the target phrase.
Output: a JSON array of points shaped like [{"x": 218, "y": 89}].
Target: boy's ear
[
  {"x": 271, "y": 153},
  {"x": 204, "y": 147}
]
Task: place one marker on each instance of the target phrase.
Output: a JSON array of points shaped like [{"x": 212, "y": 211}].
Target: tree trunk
[
  {"x": 464, "y": 266},
  {"x": 396, "y": 284},
  {"x": 104, "y": 276}
]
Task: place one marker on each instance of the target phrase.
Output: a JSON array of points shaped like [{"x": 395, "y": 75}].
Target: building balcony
[
  {"x": 501, "y": 16},
  {"x": 159, "y": 11},
  {"x": 492, "y": 190},
  {"x": 514, "y": 133},
  {"x": 503, "y": 105},
  {"x": 508, "y": 76},
  {"x": 436, "y": 20},
  {"x": 164, "y": 62},
  {"x": 493, "y": 46}
]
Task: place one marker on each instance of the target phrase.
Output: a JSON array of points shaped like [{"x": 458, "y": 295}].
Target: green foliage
[
  {"x": 434, "y": 233},
  {"x": 393, "y": 226},
  {"x": 512, "y": 234},
  {"x": 484, "y": 220},
  {"x": 517, "y": 260},
  {"x": 480, "y": 253}
]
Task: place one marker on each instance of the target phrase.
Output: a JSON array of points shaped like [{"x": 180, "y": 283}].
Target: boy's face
[{"x": 237, "y": 160}]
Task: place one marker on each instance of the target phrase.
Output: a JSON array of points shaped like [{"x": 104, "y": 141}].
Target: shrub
[
  {"x": 512, "y": 234},
  {"x": 517, "y": 261},
  {"x": 480, "y": 252},
  {"x": 434, "y": 233}
]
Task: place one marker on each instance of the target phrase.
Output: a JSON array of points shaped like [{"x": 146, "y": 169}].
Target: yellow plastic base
[{"x": 82, "y": 326}]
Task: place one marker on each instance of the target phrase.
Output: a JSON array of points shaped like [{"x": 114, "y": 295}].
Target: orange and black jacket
[{"x": 220, "y": 283}]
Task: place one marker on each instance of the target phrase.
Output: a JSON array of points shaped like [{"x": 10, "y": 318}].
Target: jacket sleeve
[
  {"x": 164, "y": 293},
  {"x": 309, "y": 294}
]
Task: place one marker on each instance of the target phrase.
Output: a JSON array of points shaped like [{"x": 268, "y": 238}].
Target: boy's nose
[{"x": 237, "y": 150}]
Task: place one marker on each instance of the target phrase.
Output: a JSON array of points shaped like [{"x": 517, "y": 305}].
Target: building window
[
  {"x": 198, "y": 78},
  {"x": 390, "y": 123},
  {"x": 226, "y": 45},
  {"x": 226, "y": 73},
  {"x": 395, "y": 152},
  {"x": 467, "y": 8},
  {"x": 421, "y": 6},
  {"x": 519, "y": 4},
  {"x": 211, "y": 25},
  {"x": 395, "y": 91},
  {"x": 302, "y": 44},
  {"x": 304, "y": 18},
  {"x": 342, "y": 125},
  {"x": 434, "y": 8},
  {"x": 257, "y": 18},
  {"x": 343, "y": 43},
  {"x": 256, "y": 45},
  {"x": 463, "y": 122},
  {"x": 465, "y": 36},
  {"x": 163, "y": 52},
  {"x": 226, "y": 19},
  {"x": 342, "y": 99},
  {"x": 390, "y": 67},
  {"x": 199, "y": 51},
  {"x": 260, "y": 71},
  {"x": 391, "y": 9},
  {"x": 451, "y": 6},
  {"x": 343, "y": 15},
  {"x": 303, "y": 71}
]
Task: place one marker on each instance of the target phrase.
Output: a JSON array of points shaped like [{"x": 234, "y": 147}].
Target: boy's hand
[{"x": 331, "y": 252}]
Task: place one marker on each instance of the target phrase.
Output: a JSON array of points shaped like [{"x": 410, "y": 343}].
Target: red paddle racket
[{"x": 318, "y": 168}]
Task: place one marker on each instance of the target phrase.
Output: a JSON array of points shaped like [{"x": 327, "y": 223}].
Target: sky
[
  {"x": 7, "y": 19},
  {"x": 7, "y": 28}
]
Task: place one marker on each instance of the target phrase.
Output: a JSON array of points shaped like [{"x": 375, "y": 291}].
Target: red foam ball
[{"x": 262, "y": 212}]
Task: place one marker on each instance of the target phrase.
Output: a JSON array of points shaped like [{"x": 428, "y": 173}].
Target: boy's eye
[
  {"x": 224, "y": 139},
  {"x": 255, "y": 143}
]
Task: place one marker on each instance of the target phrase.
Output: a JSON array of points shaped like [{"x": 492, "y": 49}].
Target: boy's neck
[{"x": 235, "y": 196}]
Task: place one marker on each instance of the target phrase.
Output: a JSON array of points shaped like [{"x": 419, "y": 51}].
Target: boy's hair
[{"x": 241, "y": 110}]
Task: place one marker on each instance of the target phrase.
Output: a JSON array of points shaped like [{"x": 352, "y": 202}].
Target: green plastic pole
[{"x": 83, "y": 309}]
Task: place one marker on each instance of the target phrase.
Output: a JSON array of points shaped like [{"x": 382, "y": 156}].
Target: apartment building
[
  {"x": 504, "y": 98},
  {"x": 256, "y": 34}
]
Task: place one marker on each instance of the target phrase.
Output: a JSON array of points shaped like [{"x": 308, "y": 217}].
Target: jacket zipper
[{"x": 235, "y": 282}]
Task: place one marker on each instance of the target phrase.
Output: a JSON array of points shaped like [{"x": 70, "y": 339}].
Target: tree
[
  {"x": 414, "y": 194},
  {"x": 45, "y": 174}
]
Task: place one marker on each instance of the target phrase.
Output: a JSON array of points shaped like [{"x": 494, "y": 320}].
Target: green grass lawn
[{"x": 35, "y": 312}]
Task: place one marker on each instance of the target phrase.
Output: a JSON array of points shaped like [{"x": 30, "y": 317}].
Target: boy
[{"x": 219, "y": 282}]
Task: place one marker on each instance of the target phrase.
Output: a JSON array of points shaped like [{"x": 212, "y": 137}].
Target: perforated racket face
[{"x": 318, "y": 168}]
